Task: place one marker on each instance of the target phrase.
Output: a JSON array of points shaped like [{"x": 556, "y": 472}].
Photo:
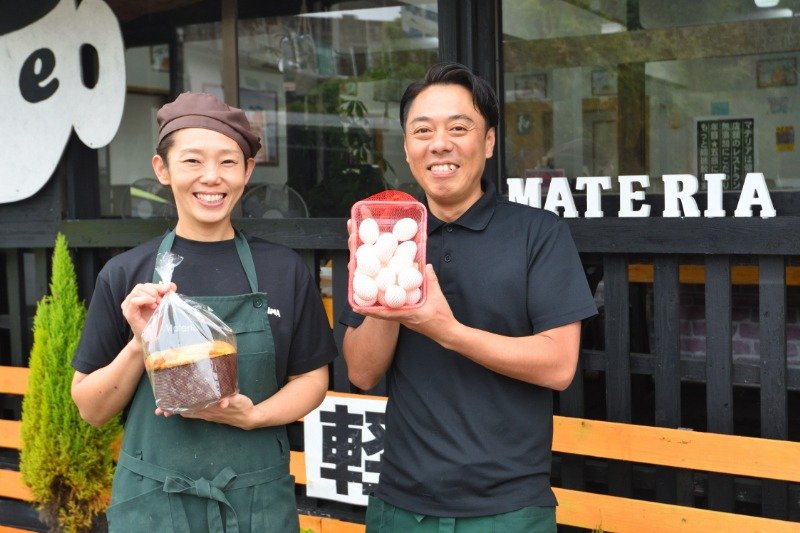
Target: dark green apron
[{"x": 183, "y": 475}]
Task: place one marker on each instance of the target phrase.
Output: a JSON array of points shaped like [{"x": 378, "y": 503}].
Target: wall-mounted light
[{"x": 767, "y": 3}]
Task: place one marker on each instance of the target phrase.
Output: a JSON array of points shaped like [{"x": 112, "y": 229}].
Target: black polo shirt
[
  {"x": 300, "y": 328},
  {"x": 462, "y": 440}
]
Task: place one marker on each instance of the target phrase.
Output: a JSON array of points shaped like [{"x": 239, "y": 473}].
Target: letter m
[{"x": 529, "y": 192}]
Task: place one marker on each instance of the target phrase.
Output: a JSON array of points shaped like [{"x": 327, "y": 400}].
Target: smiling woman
[
  {"x": 205, "y": 155},
  {"x": 206, "y": 159}
]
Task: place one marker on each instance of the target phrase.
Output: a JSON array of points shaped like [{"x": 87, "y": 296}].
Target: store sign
[
  {"x": 43, "y": 92},
  {"x": 679, "y": 191},
  {"x": 343, "y": 448}
]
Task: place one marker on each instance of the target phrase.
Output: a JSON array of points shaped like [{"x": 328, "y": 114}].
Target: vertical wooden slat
[
  {"x": 772, "y": 333},
  {"x": 617, "y": 352},
  {"x": 41, "y": 287},
  {"x": 570, "y": 403},
  {"x": 667, "y": 360},
  {"x": 16, "y": 303},
  {"x": 310, "y": 260},
  {"x": 617, "y": 336},
  {"x": 339, "y": 285},
  {"x": 85, "y": 271},
  {"x": 719, "y": 369}
]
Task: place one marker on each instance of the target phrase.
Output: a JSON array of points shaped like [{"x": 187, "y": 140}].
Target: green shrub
[{"x": 67, "y": 463}]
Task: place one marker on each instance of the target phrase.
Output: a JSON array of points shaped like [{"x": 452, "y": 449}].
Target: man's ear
[
  {"x": 491, "y": 137},
  {"x": 161, "y": 170}
]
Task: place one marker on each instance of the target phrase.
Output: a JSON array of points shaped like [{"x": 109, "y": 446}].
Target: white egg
[
  {"x": 401, "y": 262},
  {"x": 385, "y": 246},
  {"x": 413, "y": 296},
  {"x": 405, "y": 229},
  {"x": 408, "y": 248},
  {"x": 409, "y": 278},
  {"x": 365, "y": 287},
  {"x": 386, "y": 276},
  {"x": 365, "y": 249},
  {"x": 368, "y": 264},
  {"x": 361, "y": 302},
  {"x": 395, "y": 296},
  {"x": 368, "y": 231}
]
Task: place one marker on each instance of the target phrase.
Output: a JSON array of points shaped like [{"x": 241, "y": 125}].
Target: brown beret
[{"x": 200, "y": 110}]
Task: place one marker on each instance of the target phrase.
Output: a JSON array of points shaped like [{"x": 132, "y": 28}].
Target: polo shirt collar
[{"x": 475, "y": 218}]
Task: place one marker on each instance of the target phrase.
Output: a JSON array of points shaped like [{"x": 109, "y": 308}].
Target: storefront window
[
  {"x": 324, "y": 89},
  {"x": 128, "y": 186},
  {"x": 609, "y": 88}
]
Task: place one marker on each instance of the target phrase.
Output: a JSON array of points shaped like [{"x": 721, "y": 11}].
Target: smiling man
[{"x": 471, "y": 373}]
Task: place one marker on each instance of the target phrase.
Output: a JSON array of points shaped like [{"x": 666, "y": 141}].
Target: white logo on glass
[{"x": 43, "y": 93}]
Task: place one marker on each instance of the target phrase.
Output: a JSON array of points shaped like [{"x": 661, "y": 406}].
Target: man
[{"x": 470, "y": 373}]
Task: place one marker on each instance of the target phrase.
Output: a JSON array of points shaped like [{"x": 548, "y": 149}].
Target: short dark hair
[
  {"x": 483, "y": 95},
  {"x": 164, "y": 146}
]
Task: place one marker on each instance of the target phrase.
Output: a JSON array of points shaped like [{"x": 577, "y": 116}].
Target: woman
[{"x": 224, "y": 468}]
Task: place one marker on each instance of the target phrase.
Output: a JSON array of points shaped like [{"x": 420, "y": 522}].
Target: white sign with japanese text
[{"x": 343, "y": 448}]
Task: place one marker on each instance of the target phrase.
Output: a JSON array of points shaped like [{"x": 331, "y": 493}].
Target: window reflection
[
  {"x": 322, "y": 88},
  {"x": 608, "y": 88},
  {"x": 325, "y": 89}
]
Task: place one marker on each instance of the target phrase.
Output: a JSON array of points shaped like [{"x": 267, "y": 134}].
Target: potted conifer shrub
[{"x": 67, "y": 463}]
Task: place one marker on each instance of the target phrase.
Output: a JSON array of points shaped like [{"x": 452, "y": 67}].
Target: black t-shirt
[
  {"x": 462, "y": 440},
  {"x": 300, "y": 329}
]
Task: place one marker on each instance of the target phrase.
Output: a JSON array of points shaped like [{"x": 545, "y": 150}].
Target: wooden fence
[{"x": 632, "y": 365}]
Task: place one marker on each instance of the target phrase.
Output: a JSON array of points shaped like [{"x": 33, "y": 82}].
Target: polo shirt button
[
  {"x": 447, "y": 258},
  {"x": 449, "y": 229},
  {"x": 257, "y": 303}
]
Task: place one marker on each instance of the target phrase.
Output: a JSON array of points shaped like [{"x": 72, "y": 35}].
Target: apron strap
[
  {"x": 246, "y": 257},
  {"x": 242, "y": 248},
  {"x": 213, "y": 490}
]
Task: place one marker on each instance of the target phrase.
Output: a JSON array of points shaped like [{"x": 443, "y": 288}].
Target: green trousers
[{"x": 383, "y": 517}]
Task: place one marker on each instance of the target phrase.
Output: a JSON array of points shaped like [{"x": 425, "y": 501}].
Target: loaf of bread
[{"x": 188, "y": 378}]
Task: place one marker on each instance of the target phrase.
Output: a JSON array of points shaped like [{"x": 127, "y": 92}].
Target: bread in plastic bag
[{"x": 190, "y": 354}]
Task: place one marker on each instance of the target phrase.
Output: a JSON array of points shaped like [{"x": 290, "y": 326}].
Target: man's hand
[{"x": 433, "y": 318}]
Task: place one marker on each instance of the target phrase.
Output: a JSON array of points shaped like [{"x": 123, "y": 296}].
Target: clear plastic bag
[{"x": 190, "y": 354}]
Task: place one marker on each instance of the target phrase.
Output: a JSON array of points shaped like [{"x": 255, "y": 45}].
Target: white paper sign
[
  {"x": 45, "y": 95},
  {"x": 344, "y": 447}
]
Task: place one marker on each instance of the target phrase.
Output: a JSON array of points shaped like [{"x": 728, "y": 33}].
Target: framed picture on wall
[
  {"x": 604, "y": 82},
  {"x": 159, "y": 57},
  {"x": 530, "y": 86},
  {"x": 776, "y": 72},
  {"x": 261, "y": 109}
]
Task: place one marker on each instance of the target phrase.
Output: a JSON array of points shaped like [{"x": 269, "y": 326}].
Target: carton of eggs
[{"x": 387, "y": 254}]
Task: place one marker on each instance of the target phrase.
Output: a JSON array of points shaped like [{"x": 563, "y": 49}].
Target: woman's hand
[
  {"x": 232, "y": 410},
  {"x": 138, "y": 306}
]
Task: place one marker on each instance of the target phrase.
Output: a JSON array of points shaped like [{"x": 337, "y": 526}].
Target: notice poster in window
[
  {"x": 261, "y": 109},
  {"x": 784, "y": 138},
  {"x": 726, "y": 146}
]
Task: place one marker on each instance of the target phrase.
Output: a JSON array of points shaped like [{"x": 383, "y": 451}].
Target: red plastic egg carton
[{"x": 383, "y": 227}]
